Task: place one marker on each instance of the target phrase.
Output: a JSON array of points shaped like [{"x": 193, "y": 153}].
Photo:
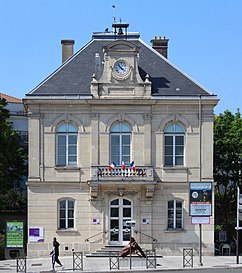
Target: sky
[{"x": 205, "y": 38}]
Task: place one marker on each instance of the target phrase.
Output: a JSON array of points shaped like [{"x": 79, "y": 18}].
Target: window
[
  {"x": 66, "y": 214},
  {"x": 120, "y": 143},
  {"x": 66, "y": 144},
  {"x": 174, "y": 145},
  {"x": 175, "y": 214}
]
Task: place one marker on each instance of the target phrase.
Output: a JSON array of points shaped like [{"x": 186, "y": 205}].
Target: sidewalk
[{"x": 43, "y": 265}]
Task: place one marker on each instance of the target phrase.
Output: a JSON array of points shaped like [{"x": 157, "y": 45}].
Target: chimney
[
  {"x": 67, "y": 49},
  {"x": 160, "y": 44}
]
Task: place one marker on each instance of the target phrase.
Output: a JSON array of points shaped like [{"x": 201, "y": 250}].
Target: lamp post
[{"x": 239, "y": 211}]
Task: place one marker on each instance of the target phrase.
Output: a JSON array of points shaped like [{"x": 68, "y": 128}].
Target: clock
[{"x": 121, "y": 70}]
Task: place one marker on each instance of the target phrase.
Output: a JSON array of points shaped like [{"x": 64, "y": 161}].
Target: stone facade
[{"x": 104, "y": 199}]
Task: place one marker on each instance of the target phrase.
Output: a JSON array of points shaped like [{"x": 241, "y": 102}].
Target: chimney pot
[
  {"x": 160, "y": 45},
  {"x": 67, "y": 49}
]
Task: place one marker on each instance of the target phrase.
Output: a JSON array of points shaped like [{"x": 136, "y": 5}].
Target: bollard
[
  {"x": 21, "y": 264},
  {"x": 113, "y": 260},
  {"x": 187, "y": 257},
  {"x": 77, "y": 261},
  {"x": 150, "y": 259}
]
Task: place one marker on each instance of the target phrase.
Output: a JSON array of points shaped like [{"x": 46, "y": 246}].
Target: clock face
[{"x": 121, "y": 68}]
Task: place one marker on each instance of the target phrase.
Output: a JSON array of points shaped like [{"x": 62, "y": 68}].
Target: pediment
[{"x": 121, "y": 45}]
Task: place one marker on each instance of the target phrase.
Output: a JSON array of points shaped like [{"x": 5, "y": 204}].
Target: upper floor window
[
  {"x": 174, "y": 145},
  {"x": 66, "y": 139},
  {"x": 66, "y": 214},
  {"x": 175, "y": 214},
  {"x": 120, "y": 142}
]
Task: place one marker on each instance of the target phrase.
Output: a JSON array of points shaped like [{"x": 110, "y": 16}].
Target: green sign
[{"x": 15, "y": 234}]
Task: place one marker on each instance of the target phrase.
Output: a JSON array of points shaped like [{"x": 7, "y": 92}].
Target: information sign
[
  {"x": 200, "y": 199},
  {"x": 15, "y": 234}
]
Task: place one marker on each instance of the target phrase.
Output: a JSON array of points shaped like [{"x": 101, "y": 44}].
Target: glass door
[{"x": 120, "y": 212}]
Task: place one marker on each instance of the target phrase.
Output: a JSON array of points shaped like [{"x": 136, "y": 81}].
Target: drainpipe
[{"x": 200, "y": 173}]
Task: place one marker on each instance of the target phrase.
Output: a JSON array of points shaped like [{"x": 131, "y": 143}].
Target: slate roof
[{"x": 74, "y": 76}]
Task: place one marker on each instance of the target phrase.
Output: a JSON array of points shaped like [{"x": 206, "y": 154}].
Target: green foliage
[
  {"x": 12, "y": 154},
  {"x": 227, "y": 166},
  {"x": 13, "y": 200},
  {"x": 2, "y": 246}
]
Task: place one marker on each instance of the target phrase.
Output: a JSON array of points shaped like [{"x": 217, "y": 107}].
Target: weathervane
[{"x": 114, "y": 18}]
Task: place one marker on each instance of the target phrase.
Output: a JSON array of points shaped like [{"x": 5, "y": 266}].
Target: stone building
[{"x": 117, "y": 133}]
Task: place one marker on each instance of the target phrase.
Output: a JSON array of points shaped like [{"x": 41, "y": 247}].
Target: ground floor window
[
  {"x": 66, "y": 213},
  {"x": 175, "y": 215}
]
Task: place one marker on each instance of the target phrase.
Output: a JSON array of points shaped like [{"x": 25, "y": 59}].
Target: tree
[
  {"x": 227, "y": 167},
  {"x": 12, "y": 155}
]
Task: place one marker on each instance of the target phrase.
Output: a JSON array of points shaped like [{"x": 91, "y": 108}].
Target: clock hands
[{"x": 121, "y": 67}]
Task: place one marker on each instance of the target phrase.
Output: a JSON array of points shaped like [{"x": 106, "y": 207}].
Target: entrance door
[{"x": 120, "y": 211}]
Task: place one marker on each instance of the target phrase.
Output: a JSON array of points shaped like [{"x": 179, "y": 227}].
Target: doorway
[{"x": 120, "y": 211}]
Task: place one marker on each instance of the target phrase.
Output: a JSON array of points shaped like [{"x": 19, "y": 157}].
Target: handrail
[
  {"x": 153, "y": 239},
  {"x": 105, "y": 231}
]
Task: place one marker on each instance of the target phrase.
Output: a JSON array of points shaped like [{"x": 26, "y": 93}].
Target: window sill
[
  {"x": 65, "y": 231},
  {"x": 175, "y": 168},
  {"x": 175, "y": 230},
  {"x": 68, "y": 167}
]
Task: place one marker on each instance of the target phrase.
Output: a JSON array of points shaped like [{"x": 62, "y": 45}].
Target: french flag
[
  {"x": 123, "y": 166},
  {"x": 132, "y": 165},
  {"x": 112, "y": 166}
]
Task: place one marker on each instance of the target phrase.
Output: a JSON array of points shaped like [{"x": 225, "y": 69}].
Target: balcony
[
  {"x": 103, "y": 173},
  {"x": 120, "y": 179}
]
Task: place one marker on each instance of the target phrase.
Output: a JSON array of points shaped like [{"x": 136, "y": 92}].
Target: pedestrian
[
  {"x": 55, "y": 253},
  {"x": 52, "y": 253}
]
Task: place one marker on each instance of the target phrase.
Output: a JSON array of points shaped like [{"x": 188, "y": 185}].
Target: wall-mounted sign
[
  {"x": 15, "y": 234},
  {"x": 145, "y": 221},
  {"x": 36, "y": 234},
  {"x": 200, "y": 199},
  {"x": 95, "y": 221}
]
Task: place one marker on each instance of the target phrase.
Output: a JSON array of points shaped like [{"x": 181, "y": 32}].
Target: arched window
[
  {"x": 66, "y": 213},
  {"x": 120, "y": 142},
  {"x": 175, "y": 214},
  {"x": 66, "y": 141},
  {"x": 174, "y": 145}
]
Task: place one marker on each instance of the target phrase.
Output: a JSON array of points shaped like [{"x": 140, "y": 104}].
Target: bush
[{"x": 2, "y": 246}]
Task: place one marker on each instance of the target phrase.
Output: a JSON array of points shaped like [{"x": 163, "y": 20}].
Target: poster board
[
  {"x": 14, "y": 234},
  {"x": 200, "y": 199}
]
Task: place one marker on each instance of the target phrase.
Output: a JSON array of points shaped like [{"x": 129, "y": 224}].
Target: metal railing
[
  {"x": 21, "y": 264},
  {"x": 150, "y": 259},
  {"x": 102, "y": 232},
  {"x": 153, "y": 239},
  {"x": 187, "y": 257},
  {"x": 77, "y": 261},
  {"x": 113, "y": 260}
]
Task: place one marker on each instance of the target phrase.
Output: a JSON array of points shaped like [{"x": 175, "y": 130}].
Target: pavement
[{"x": 90, "y": 264}]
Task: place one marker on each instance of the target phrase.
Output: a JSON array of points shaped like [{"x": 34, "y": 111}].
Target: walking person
[{"x": 55, "y": 253}]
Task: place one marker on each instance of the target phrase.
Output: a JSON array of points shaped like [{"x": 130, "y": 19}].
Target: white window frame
[
  {"x": 66, "y": 200},
  {"x": 174, "y": 134},
  {"x": 174, "y": 220},
  {"x": 120, "y": 133},
  {"x": 66, "y": 134}
]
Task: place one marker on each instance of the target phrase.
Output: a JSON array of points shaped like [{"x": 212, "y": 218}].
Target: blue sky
[{"x": 205, "y": 39}]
